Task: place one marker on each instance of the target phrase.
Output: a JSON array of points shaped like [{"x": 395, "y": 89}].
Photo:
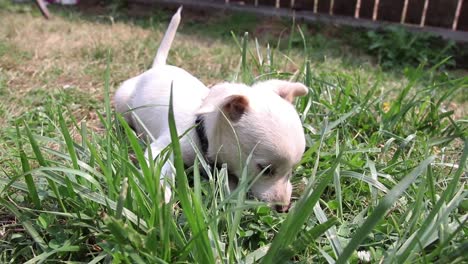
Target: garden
[{"x": 382, "y": 179}]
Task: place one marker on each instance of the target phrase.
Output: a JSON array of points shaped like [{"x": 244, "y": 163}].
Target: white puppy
[{"x": 229, "y": 117}]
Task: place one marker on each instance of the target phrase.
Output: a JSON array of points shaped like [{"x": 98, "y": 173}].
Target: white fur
[
  {"x": 149, "y": 93},
  {"x": 237, "y": 117}
]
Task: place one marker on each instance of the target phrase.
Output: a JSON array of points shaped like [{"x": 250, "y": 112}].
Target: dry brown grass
[
  {"x": 57, "y": 53},
  {"x": 77, "y": 48},
  {"x": 59, "y": 45},
  {"x": 62, "y": 53}
]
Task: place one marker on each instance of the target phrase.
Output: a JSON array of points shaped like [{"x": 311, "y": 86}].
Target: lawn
[{"x": 382, "y": 179}]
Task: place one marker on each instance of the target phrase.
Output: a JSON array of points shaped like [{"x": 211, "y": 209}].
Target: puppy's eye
[{"x": 266, "y": 169}]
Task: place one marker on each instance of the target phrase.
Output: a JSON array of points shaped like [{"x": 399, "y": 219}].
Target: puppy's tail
[{"x": 166, "y": 42}]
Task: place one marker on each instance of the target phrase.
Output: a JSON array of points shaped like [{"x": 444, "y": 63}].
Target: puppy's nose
[{"x": 281, "y": 208}]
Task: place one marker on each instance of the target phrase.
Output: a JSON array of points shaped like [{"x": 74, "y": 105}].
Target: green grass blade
[
  {"x": 371, "y": 181},
  {"x": 122, "y": 198},
  {"x": 233, "y": 249},
  {"x": 26, "y": 223},
  {"x": 437, "y": 253},
  {"x": 107, "y": 122},
  {"x": 305, "y": 239},
  {"x": 193, "y": 209},
  {"x": 98, "y": 258},
  {"x": 32, "y": 191},
  {"x": 381, "y": 209},
  {"x": 90, "y": 195},
  {"x": 246, "y": 76},
  {"x": 256, "y": 255},
  {"x": 330, "y": 232},
  {"x": 446, "y": 195},
  {"x": 337, "y": 184},
  {"x": 314, "y": 233},
  {"x": 42, "y": 161},
  {"x": 374, "y": 177},
  {"x": 68, "y": 139},
  {"x": 341, "y": 119},
  {"x": 45, "y": 255},
  {"x": 138, "y": 151},
  {"x": 431, "y": 230},
  {"x": 298, "y": 215},
  {"x": 66, "y": 171}
]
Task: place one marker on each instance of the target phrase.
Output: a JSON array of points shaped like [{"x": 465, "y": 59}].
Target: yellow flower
[{"x": 386, "y": 107}]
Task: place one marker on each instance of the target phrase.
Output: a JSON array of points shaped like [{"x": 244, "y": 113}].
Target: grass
[{"x": 384, "y": 172}]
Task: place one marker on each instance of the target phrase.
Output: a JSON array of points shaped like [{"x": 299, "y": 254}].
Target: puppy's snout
[
  {"x": 276, "y": 193},
  {"x": 281, "y": 208}
]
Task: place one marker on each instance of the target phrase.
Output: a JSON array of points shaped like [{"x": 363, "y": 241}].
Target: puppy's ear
[
  {"x": 235, "y": 106},
  {"x": 228, "y": 98},
  {"x": 287, "y": 90},
  {"x": 291, "y": 91}
]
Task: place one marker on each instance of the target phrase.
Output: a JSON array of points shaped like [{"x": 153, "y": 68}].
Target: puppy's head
[{"x": 240, "y": 120}]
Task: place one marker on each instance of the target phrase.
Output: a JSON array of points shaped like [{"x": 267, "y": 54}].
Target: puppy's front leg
[{"x": 167, "y": 171}]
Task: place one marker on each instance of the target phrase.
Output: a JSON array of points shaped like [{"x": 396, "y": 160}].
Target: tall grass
[{"x": 384, "y": 173}]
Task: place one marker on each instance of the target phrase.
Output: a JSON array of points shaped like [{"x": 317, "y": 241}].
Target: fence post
[
  {"x": 376, "y": 10},
  {"x": 357, "y": 9},
  {"x": 457, "y": 15},
  {"x": 404, "y": 11},
  {"x": 423, "y": 16}
]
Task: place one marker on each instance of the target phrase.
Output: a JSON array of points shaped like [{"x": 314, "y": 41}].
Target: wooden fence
[
  {"x": 439, "y": 13},
  {"x": 447, "y": 18}
]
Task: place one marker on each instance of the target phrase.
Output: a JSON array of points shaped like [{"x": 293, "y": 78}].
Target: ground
[
  {"x": 387, "y": 122},
  {"x": 69, "y": 52}
]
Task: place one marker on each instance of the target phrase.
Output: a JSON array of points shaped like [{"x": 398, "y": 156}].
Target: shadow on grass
[{"x": 322, "y": 41}]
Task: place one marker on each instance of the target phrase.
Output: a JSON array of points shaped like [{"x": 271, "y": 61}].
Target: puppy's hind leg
[
  {"x": 123, "y": 97},
  {"x": 167, "y": 170}
]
